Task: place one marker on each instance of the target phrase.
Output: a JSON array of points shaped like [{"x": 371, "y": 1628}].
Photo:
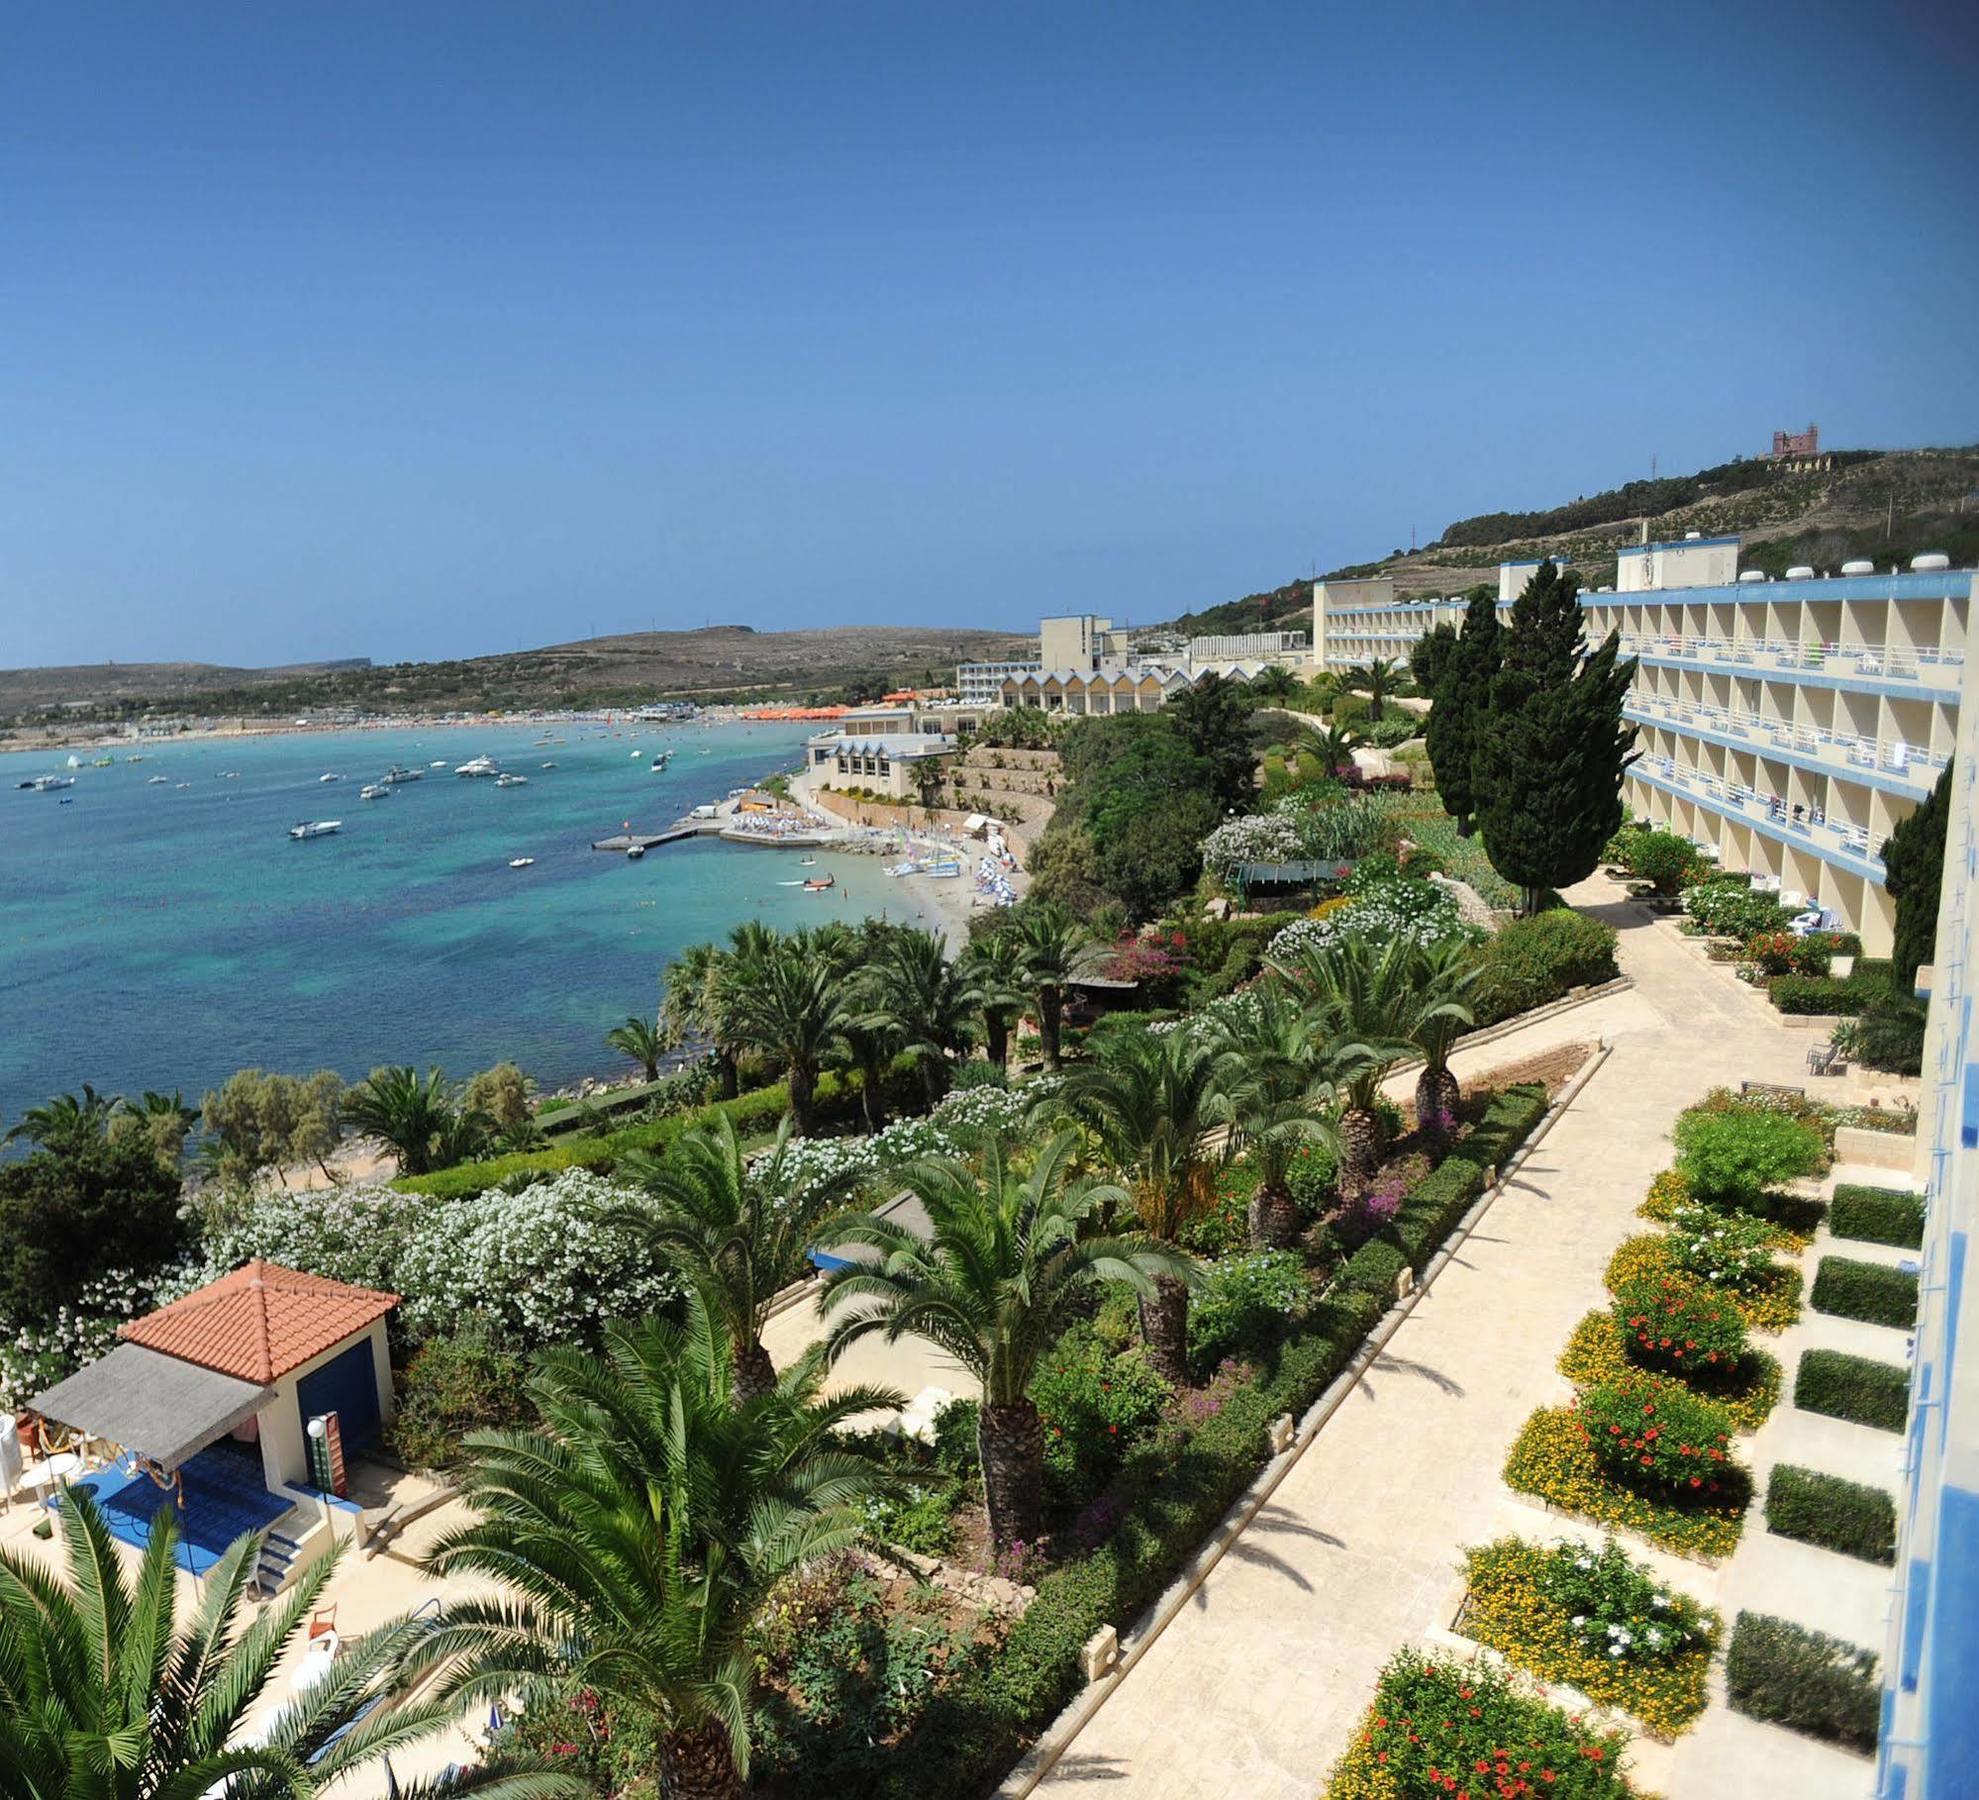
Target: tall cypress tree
[
  {"x": 1913, "y": 871},
  {"x": 1463, "y": 692},
  {"x": 1551, "y": 748}
]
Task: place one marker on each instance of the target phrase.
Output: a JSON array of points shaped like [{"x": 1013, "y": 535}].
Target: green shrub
[
  {"x": 1726, "y": 906},
  {"x": 1529, "y": 962},
  {"x": 980, "y": 1074},
  {"x": 1889, "y": 1033},
  {"x": 1878, "y": 1216},
  {"x": 1350, "y": 709},
  {"x": 1654, "y": 1434},
  {"x": 1244, "y": 1303},
  {"x": 1733, "y": 1158},
  {"x": 1867, "y": 987},
  {"x": 1856, "y": 1388},
  {"x": 1731, "y": 1249},
  {"x": 1675, "y": 1325},
  {"x": 1805, "y": 1680},
  {"x": 1786, "y": 953},
  {"x": 1094, "y": 1405},
  {"x": 1664, "y": 859},
  {"x": 1836, "y": 1514},
  {"x": 1864, "y": 1290},
  {"x": 455, "y": 1385}
]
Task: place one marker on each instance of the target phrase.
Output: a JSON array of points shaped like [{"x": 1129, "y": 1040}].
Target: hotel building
[{"x": 1785, "y": 726}]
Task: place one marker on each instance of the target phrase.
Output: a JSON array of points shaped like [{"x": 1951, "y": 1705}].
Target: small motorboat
[
  {"x": 479, "y": 765},
  {"x": 660, "y": 762},
  {"x": 818, "y": 887},
  {"x": 438, "y": 762},
  {"x": 511, "y": 780},
  {"x": 637, "y": 754},
  {"x": 314, "y": 828},
  {"x": 377, "y": 790},
  {"x": 157, "y": 780},
  {"x": 807, "y": 862},
  {"x": 329, "y": 778},
  {"x": 549, "y": 765},
  {"x": 395, "y": 774},
  {"x": 522, "y": 862},
  {"x": 634, "y": 852}
]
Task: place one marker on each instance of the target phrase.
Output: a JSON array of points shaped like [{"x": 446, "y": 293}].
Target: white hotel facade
[{"x": 1785, "y": 726}]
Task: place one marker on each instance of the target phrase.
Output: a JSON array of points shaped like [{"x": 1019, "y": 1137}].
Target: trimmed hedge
[
  {"x": 1821, "y": 995},
  {"x": 1836, "y": 1514},
  {"x": 1869, "y": 1291},
  {"x": 1531, "y": 962},
  {"x": 1171, "y": 1501},
  {"x": 1805, "y": 1680},
  {"x": 1856, "y": 1388},
  {"x": 1878, "y": 1216}
]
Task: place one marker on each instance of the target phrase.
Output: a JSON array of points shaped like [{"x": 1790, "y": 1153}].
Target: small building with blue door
[{"x": 209, "y": 1400}]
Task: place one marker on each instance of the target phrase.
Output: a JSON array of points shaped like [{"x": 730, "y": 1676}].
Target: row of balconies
[
  {"x": 1869, "y": 663},
  {"x": 1841, "y": 750},
  {"x": 1808, "y": 823}
]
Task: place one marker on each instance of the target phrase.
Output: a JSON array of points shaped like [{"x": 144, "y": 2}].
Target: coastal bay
[{"x": 159, "y": 928}]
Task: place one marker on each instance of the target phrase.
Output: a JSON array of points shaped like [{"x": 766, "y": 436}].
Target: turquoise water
[{"x": 159, "y": 936}]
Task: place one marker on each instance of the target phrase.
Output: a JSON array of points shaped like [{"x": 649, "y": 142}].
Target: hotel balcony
[
  {"x": 1892, "y": 765},
  {"x": 1862, "y": 668},
  {"x": 1846, "y": 846}
]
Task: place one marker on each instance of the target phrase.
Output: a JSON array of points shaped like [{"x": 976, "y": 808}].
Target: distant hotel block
[{"x": 1786, "y": 726}]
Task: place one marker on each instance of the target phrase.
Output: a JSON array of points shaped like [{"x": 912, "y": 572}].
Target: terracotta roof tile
[{"x": 259, "y": 1322}]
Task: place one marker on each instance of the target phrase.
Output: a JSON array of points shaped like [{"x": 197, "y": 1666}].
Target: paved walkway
[{"x": 1254, "y": 1689}]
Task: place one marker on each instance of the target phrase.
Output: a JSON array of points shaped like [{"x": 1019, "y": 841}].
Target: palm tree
[
  {"x": 104, "y": 1697},
  {"x": 739, "y": 1228},
  {"x": 993, "y": 971},
  {"x": 694, "y": 1008},
  {"x": 1445, "y": 973},
  {"x": 409, "y": 1116},
  {"x": 642, "y": 1041},
  {"x": 1333, "y": 749},
  {"x": 926, "y": 998},
  {"x": 790, "y": 1006},
  {"x": 1274, "y": 683},
  {"x": 1277, "y": 1098},
  {"x": 1002, "y": 1273},
  {"x": 1158, "y": 1107},
  {"x": 1057, "y": 950},
  {"x": 638, "y": 1530},
  {"x": 67, "y": 1124},
  {"x": 1377, "y": 678},
  {"x": 927, "y": 784},
  {"x": 1361, "y": 1002}
]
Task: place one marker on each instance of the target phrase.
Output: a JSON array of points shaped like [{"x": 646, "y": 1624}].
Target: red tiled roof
[{"x": 259, "y": 1322}]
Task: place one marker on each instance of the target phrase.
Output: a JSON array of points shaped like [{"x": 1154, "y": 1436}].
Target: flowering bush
[
  {"x": 1242, "y": 1300},
  {"x": 1735, "y": 1158},
  {"x": 946, "y": 1131},
  {"x": 1727, "y": 907},
  {"x": 1781, "y": 953},
  {"x": 1153, "y": 960},
  {"x": 1596, "y": 1620},
  {"x": 1598, "y": 1352},
  {"x": 1094, "y": 1404},
  {"x": 1733, "y": 1250},
  {"x": 533, "y": 1265},
  {"x": 1334, "y": 830},
  {"x": 1769, "y": 1302},
  {"x": 1465, "y": 1728},
  {"x": 1261, "y": 838},
  {"x": 1652, "y": 1434},
  {"x": 1314, "y": 1178},
  {"x": 1676, "y": 1326},
  {"x": 1419, "y": 911}
]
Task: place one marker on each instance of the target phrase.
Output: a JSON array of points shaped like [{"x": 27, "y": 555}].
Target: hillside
[
  {"x": 1886, "y": 505},
  {"x": 720, "y": 661}
]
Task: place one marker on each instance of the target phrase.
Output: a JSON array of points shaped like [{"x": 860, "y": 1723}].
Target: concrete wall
[{"x": 1706, "y": 562}]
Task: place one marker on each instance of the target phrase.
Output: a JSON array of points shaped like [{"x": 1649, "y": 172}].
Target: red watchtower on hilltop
[{"x": 1798, "y": 443}]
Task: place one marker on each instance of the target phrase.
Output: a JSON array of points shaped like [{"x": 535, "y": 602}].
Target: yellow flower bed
[
  {"x": 1771, "y": 1304},
  {"x": 1550, "y": 1459},
  {"x": 1670, "y": 1190},
  {"x": 1595, "y": 1353},
  {"x": 1508, "y": 1610}
]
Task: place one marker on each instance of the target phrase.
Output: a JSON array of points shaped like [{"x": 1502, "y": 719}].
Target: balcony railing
[
  {"x": 1740, "y": 801},
  {"x": 1845, "y": 750},
  {"x": 1935, "y": 668}
]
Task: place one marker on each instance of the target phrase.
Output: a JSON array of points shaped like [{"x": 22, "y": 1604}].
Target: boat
[
  {"x": 634, "y": 852},
  {"x": 807, "y": 862},
  {"x": 511, "y": 780},
  {"x": 103, "y": 762},
  {"x": 549, "y": 765},
  {"x": 329, "y": 778},
  {"x": 395, "y": 774},
  {"x": 637, "y": 754},
  {"x": 47, "y": 784},
  {"x": 479, "y": 765},
  {"x": 818, "y": 887},
  {"x": 660, "y": 762},
  {"x": 156, "y": 780},
  {"x": 941, "y": 871},
  {"x": 438, "y": 762},
  {"x": 522, "y": 862},
  {"x": 315, "y": 828},
  {"x": 75, "y": 762},
  {"x": 181, "y": 784},
  {"x": 376, "y": 790}
]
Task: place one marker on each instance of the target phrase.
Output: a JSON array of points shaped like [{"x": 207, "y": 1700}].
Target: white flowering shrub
[
  {"x": 1419, "y": 911},
  {"x": 1263, "y": 837},
  {"x": 943, "y": 1132},
  {"x": 34, "y": 1357}
]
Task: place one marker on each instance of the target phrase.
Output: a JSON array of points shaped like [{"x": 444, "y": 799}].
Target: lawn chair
[{"x": 1825, "y": 1059}]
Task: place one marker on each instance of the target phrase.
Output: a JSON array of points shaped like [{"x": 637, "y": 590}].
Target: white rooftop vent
[
  {"x": 1691, "y": 537},
  {"x": 1801, "y": 572},
  {"x": 1931, "y": 559},
  {"x": 1746, "y": 575},
  {"x": 1861, "y": 566},
  {"x": 1605, "y": 590}
]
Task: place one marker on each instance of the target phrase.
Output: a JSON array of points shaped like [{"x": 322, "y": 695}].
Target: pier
[{"x": 647, "y": 840}]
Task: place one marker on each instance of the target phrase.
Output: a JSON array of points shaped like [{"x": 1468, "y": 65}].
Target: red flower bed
[
  {"x": 1653, "y": 1434},
  {"x": 1676, "y": 1324}
]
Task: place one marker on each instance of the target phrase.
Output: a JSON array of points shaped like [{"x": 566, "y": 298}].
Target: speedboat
[
  {"x": 511, "y": 780},
  {"x": 479, "y": 765},
  {"x": 818, "y": 887},
  {"x": 102, "y": 762},
  {"x": 660, "y": 762},
  {"x": 522, "y": 862},
  {"x": 634, "y": 852},
  {"x": 156, "y": 780},
  {"x": 376, "y": 791},
  {"x": 549, "y": 765},
  {"x": 395, "y": 774},
  {"x": 329, "y": 778},
  {"x": 47, "y": 784},
  {"x": 315, "y": 828},
  {"x": 637, "y": 754},
  {"x": 438, "y": 762}
]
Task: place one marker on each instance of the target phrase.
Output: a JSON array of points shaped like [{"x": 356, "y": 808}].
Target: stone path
[{"x": 1254, "y": 1688}]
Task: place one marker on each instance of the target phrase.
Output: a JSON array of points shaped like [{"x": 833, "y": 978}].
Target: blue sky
[{"x": 415, "y": 330}]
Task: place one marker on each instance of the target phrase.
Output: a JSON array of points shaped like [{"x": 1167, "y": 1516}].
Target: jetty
[{"x": 648, "y": 840}]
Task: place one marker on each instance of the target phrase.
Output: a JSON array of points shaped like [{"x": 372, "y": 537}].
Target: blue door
[{"x": 346, "y": 1385}]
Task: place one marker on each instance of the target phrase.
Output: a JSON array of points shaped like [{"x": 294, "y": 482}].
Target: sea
[{"x": 161, "y": 929}]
